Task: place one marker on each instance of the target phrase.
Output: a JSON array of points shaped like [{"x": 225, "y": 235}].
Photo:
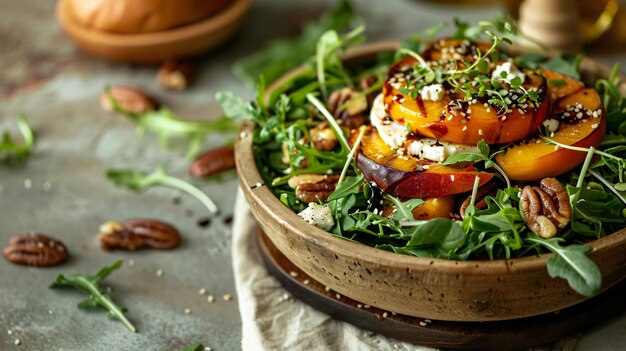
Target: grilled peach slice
[
  {"x": 582, "y": 123},
  {"x": 405, "y": 176},
  {"x": 561, "y": 85},
  {"x": 452, "y": 119}
]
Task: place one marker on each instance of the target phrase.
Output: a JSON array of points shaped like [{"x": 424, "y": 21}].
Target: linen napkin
[{"x": 272, "y": 320}]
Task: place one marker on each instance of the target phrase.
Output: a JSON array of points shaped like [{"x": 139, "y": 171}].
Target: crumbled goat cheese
[
  {"x": 393, "y": 133},
  {"x": 438, "y": 151},
  {"x": 318, "y": 215},
  {"x": 511, "y": 72},
  {"x": 552, "y": 125},
  {"x": 433, "y": 92}
]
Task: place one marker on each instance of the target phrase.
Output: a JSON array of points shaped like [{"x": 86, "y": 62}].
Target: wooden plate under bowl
[
  {"x": 476, "y": 290},
  {"x": 185, "y": 41}
]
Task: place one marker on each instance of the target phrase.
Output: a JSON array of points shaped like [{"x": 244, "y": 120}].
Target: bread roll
[{"x": 142, "y": 16}]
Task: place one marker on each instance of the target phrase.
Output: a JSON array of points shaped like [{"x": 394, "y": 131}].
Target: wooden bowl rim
[
  {"x": 213, "y": 23},
  {"x": 263, "y": 197}
]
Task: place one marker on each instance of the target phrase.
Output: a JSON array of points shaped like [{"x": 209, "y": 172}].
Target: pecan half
[
  {"x": 546, "y": 208},
  {"x": 128, "y": 98},
  {"x": 366, "y": 83},
  {"x": 348, "y": 106},
  {"x": 35, "y": 250},
  {"x": 488, "y": 189},
  {"x": 323, "y": 137},
  {"x": 135, "y": 234},
  {"x": 176, "y": 74},
  {"x": 315, "y": 187},
  {"x": 213, "y": 162}
]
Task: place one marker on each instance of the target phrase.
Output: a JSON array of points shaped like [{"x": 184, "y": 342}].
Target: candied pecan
[
  {"x": 176, "y": 74},
  {"x": 35, "y": 250},
  {"x": 546, "y": 208},
  {"x": 130, "y": 99},
  {"x": 352, "y": 115},
  {"x": 323, "y": 137},
  {"x": 488, "y": 189},
  {"x": 314, "y": 188},
  {"x": 135, "y": 234},
  {"x": 213, "y": 162},
  {"x": 366, "y": 83}
]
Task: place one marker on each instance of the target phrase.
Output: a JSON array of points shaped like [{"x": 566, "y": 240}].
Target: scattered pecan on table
[
  {"x": 546, "y": 208},
  {"x": 35, "y": 250},
  {"x": 130, "y": 99},
  {"x": 314, "y": 187},
  {"x": 135, "y": 234},
  {"x": 176, "y": 74},
  {"x": 213, "y": 162}
]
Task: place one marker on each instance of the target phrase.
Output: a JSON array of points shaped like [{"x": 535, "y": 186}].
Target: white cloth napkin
[{"x": 271, "y": 322}]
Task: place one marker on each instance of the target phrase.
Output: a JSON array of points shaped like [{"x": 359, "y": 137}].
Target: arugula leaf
[
  {"x": 350, "y": 185},
  {"x": 403, "y": 209},
  {"x": 165, "y": 124},
  {"x": 97, "y": 296},
  {"x": 140, "y": 181},
  {"x": 441, "y": 232},
  {"x": 10, "y": 151},
  {"x": 282, "y": 55},
  {"x": 614, "y": 104},
  {"x": 571, "y": 263}
]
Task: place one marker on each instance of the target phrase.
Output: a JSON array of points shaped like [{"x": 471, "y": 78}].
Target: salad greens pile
[{"x": 285, "y": 116}]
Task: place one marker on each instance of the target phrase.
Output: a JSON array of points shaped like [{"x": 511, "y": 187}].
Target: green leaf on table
[
  {"x": 571, "y": 263},
  {"x": 166, "y": 125},
  {"x": 194, "y": 347},
  {"x": 97, "y": 296},
  {"x": 233, "y": 106},
  {"x": 140, "y": 181},
  {"x": 12, "y": 151}
]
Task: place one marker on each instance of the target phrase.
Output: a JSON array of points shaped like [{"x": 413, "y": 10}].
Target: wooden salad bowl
[{"x": 475, "y": 290}]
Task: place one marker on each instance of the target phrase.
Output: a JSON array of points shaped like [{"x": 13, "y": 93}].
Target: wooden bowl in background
[
  {"x": 438, "y": 289},
  {"x": 155, "y": 47}
]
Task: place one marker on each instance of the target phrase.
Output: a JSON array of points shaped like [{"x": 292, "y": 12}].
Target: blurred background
[{"x": 56, "y": 59}]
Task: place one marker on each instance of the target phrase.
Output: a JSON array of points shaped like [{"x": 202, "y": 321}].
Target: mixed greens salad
[{"x": 289, "y": 116}]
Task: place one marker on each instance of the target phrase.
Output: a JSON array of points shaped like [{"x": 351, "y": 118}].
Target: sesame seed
[
  {"x": 159, "y": 273},
  {"x": 306, "y": 282},
  {"x": 423, "y": 324},
  {"x": 480, "y": 132},
  {"x": 385, "y": 314},
  {"x": 366, "y": 306},
  {"x": 206, "y": 348},
  {"x": 10, "y": 332},
  {"x": 187, "y": 311},
  {"x": 227, "y": 297},
  {"x": 210, "y": 298},
  {"x": 428, "y": 321},
  {"x": 243, "y": 135},
  {"x": 17, "y": 342},
  {"x": 293, "y": 274},
  {"x": 202, "y": 291},
  {"x": 464, "y": 128},
  {"x": 359, "y": 305},
  {"x": 338, "y": 296},
  {"x": 594, "y": 126},
  {"x": 327, "y": 289},
  {"x": 28, "y": 183}
]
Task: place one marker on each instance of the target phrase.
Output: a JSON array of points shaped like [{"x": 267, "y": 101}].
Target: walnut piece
[{"x": 546, "y": 208}]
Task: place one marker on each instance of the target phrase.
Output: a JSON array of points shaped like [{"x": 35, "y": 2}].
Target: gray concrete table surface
[{"x": 62, "y": 189}]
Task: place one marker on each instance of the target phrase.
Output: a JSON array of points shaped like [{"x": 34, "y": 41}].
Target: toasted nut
[
  {"x": 35, "y": 250},
  {"x": 488, "y": 189},
  {"x": 213, "y": 162},
  {"x": 323, "y": 138},
  {"x": 311, "y": 178},
  {"x": 135, "y": 234},
  {"x": 176, "y": 74},
  {"x": 546, "y": 208},
  {"x": 352, "y": 115},
  {"x": 366, "y": 83},
  {"x": 318, "y": 191},
  {"x": 130, "y": 99}
]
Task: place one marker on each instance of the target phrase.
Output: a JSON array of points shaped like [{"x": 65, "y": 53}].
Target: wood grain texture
[{"x": 477, "y": 290}]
